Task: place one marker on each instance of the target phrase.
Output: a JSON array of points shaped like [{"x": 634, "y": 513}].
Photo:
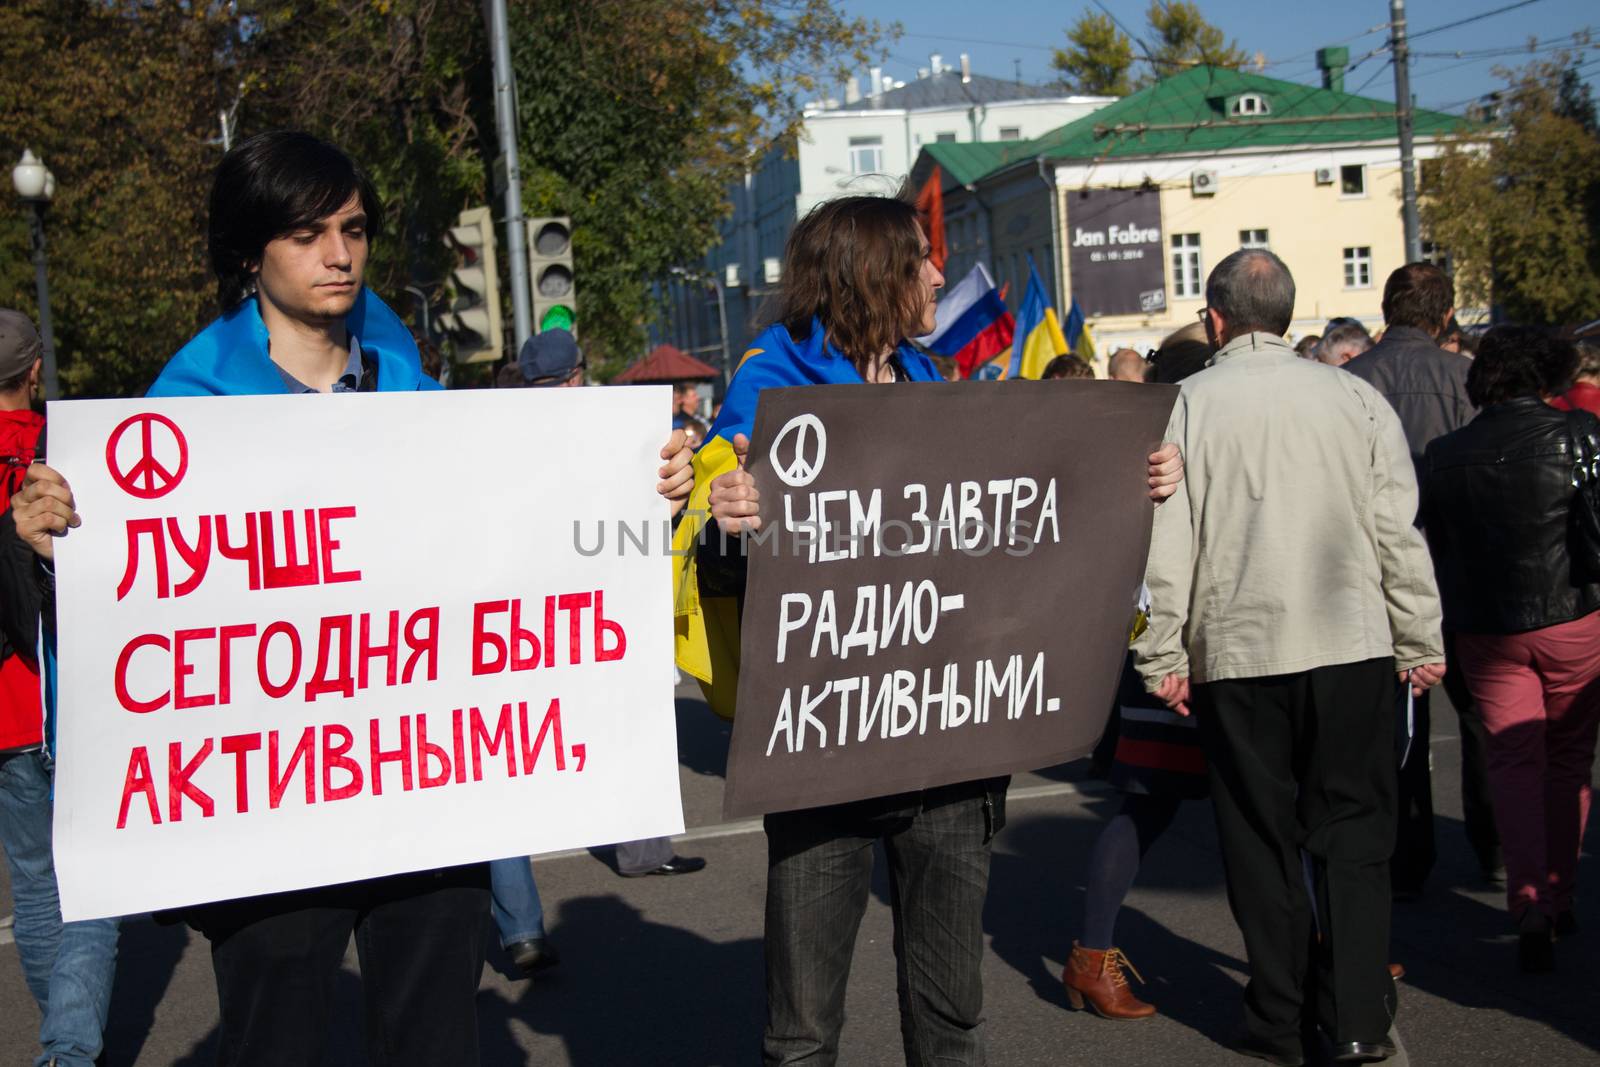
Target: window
[
  {"x": 1353, "y": 180},
  {"x": 1011, "y": 133},
  {"x": 866, "y": 155},
  {"x": 944, "y": 137},
  {"x": 1358, "y": 268},
  {"x": 1186, "y": 278},
  {"x": 1250, "y": 104},
  {"x": 1253, "y": 239}
]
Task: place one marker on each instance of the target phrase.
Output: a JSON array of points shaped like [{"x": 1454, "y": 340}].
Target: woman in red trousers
[{"x": 1501, "y": 507}]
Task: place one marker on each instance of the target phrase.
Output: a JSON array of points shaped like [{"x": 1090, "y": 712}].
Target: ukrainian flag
[
  {"x": 1038, "y": 337},
  {"x": 707, "y": 628},
  {"x": 1079, "y": 339}
]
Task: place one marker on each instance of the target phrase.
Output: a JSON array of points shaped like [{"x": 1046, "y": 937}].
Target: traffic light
[
  {"x": 472, "y": 320},
  {"x": 555, "y": 294}
]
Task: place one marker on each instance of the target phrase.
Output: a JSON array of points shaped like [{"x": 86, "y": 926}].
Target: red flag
[{"x": 930, "y": 205}]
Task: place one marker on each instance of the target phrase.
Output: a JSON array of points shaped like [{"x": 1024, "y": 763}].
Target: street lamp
[
  {"x": 722, "y": 311},
  {"x": 36, "y": 185}
]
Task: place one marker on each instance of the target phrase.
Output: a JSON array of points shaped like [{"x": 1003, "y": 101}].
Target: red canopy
[{"x": 667, "y": 364}]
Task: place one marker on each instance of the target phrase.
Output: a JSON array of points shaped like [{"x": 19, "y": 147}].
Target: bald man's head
[{"x": 1125, "y": 365}]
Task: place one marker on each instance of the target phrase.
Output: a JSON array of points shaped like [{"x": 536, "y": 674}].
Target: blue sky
[{"x": 998, "y": 35}]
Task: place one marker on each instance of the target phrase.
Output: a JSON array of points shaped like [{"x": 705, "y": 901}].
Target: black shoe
[
  {"x": 533, "y": 954},
  {"x": 1362, "y": 1051},
  {"x": 1259, "y": 1050},
  {"x": 1536, "y": 953},
  {"x": 676, "y": 865}
]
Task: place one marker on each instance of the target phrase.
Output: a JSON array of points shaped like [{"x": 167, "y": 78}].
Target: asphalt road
[{"x": 668, "y": 970}]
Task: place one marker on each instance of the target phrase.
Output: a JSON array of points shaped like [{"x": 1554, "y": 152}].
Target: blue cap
[{"x": 549, "y": 358}]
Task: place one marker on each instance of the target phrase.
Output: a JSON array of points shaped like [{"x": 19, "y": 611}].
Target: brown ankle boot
[{"x": 1097, "y": 977}]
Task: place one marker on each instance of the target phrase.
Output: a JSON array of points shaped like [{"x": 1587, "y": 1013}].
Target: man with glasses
[{"x": 1282, "y": 609}]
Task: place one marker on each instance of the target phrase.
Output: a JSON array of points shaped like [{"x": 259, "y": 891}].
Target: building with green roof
[{"x": 1127, "y": 208}]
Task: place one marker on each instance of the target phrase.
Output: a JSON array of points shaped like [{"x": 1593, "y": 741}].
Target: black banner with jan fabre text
[
  {"x": 1114, "y": 251},
  {"x": 943, "y": 585}
]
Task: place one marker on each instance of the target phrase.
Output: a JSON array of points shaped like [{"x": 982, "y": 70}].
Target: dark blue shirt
[{"x": 349, "y": 381}]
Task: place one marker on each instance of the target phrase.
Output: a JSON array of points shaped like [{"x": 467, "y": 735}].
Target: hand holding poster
[
  {"x": 944, "y": 586},
  {"x": 314, "y": 639}
]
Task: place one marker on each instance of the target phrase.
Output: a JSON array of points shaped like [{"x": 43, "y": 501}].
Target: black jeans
[
  {"x": 1306, "y": 762},
  {"x": 420, "y": 939},
  {"x": 819, "y": 872}
]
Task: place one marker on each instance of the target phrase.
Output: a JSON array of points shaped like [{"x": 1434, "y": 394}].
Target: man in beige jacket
[{"x": 1291, "y": 596}]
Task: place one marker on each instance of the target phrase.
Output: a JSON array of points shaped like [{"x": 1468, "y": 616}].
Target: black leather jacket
[{"x": 1496, "y": 499}]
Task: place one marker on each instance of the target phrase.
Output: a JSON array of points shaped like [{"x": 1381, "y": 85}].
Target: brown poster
[{"x": 943, "y": 585}]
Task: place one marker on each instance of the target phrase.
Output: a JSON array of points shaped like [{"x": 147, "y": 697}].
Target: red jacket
[
  {"x": 1581, "y": 397},
  {"x": 21, "y": 716}
]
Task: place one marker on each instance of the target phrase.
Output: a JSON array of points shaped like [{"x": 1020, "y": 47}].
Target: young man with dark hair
[
  {"x": 1427, "y": 387},
  {"x": 292, "y": 219}
]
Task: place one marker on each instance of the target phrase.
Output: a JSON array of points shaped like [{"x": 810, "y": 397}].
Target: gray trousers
[
  {"x": 637, "y": 857},
  {"x": 819, "y": 874}
]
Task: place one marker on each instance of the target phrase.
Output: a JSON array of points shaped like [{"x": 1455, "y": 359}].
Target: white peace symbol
[{"x": 803, "y": 470}]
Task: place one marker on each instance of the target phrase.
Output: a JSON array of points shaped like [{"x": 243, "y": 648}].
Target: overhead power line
[
  {"x": 1375, "y": 76},
  {"x": 1471, "y": 19}
]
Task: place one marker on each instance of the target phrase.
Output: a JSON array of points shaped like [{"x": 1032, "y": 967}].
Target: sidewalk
[{"x": 668, "y": 970}]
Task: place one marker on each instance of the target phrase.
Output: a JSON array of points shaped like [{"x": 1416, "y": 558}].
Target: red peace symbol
[{"x": 147, "y": 478}]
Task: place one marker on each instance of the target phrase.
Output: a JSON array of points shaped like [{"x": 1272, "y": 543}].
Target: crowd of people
[
  {"x": 1338, "y": 528},
  {"x": 1480, "y": 477}
]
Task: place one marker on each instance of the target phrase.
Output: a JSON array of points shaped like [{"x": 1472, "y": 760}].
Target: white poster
[{"x": 310, "y": 639}]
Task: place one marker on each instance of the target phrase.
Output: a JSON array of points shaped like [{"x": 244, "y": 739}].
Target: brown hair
[
  {"x": 854, "y": 264},
  {"x": 1417, "y": 295},
  {"x": 1067, "y": 366},
  {"x": 1588, "y": 356}
]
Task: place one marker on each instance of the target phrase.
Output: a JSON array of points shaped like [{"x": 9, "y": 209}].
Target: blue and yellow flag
[
  {"x": 1038, "y": 338},
  {"x": 1079, "y": 339},
  {"x": 707, "y": 628}
]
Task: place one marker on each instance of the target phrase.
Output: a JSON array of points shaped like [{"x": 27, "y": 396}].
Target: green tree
[
  {"x": 119, "y": 101},
  {"x": 1518, "y": 206},
  {"x": 1183, "y": 39},
  {"x": 1575, "y": 100},
  {"x": 1099, "y": 57},
  {"x": 412, "y": 106},
  {"x": 121, "y": 98},
  {"x": 637, "y": 116}
]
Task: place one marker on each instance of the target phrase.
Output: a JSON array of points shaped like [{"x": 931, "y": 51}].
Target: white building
[{"x": 867, "y": 142}]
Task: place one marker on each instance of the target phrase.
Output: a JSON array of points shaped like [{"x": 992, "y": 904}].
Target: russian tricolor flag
[{"x": 972, "y": 323}]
